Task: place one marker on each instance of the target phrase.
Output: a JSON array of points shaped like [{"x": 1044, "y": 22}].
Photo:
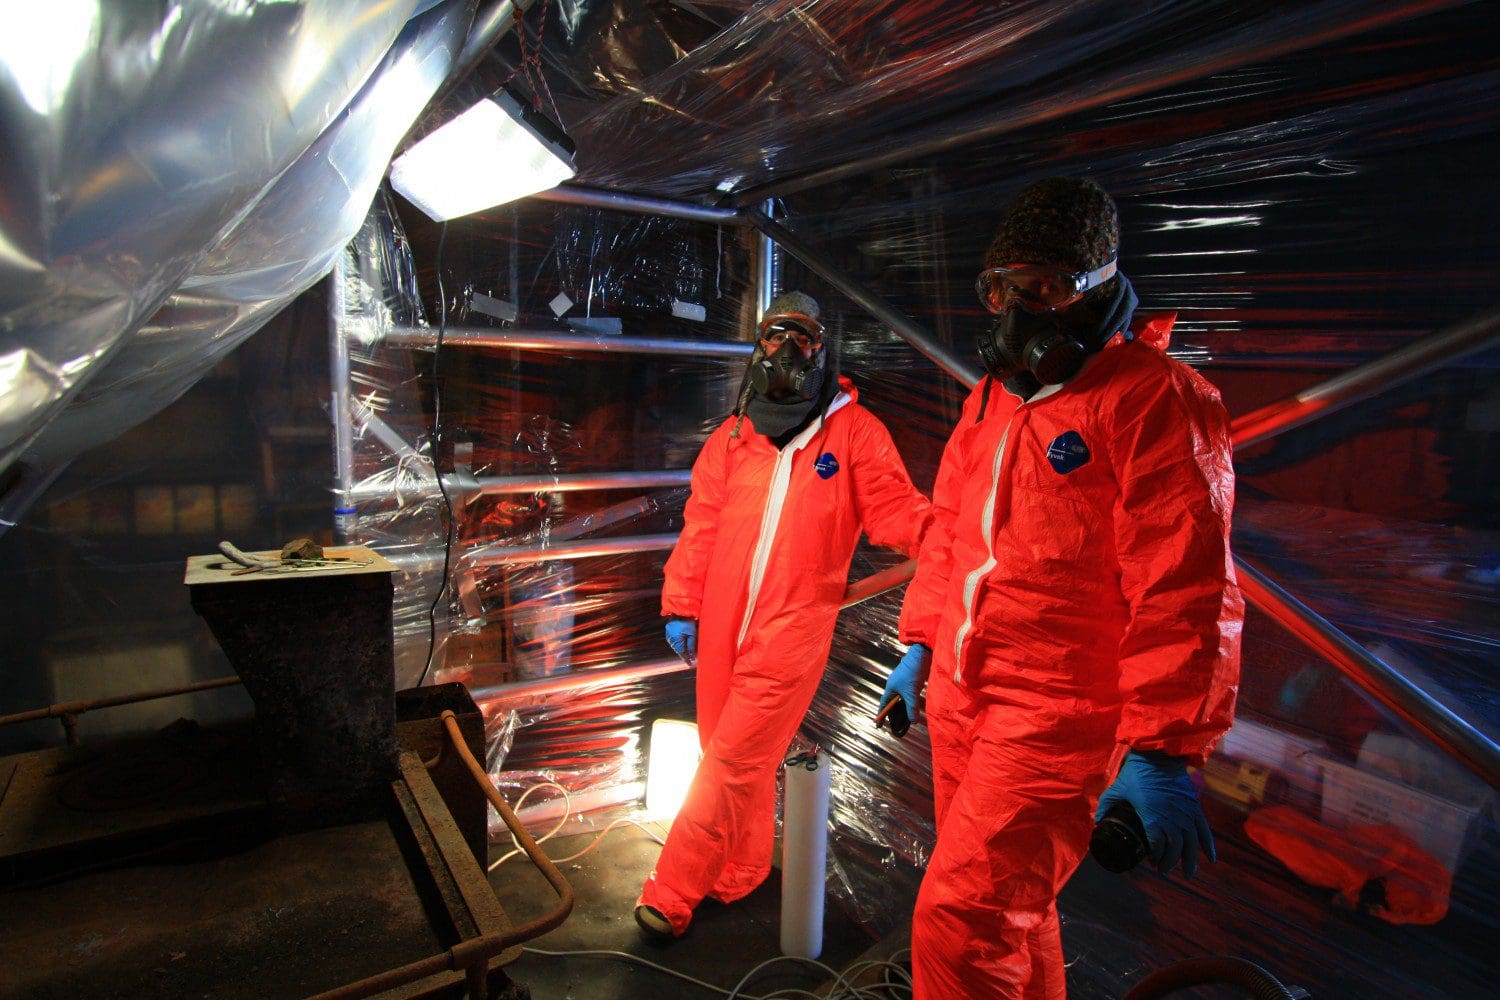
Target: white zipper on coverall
[
  {"x": 987, "y": 530},
  {"x": 781, "y": 477}
]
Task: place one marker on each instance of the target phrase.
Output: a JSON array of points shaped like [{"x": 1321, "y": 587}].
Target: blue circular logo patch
[{"x": 827, "y": 465}]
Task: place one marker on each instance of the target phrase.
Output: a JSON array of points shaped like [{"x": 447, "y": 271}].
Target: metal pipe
[
  {"x": 607, "y": 677},
  {"x": 971, "y": 129},
  {"x": 767, "y": 271},
  {"x": 878, "y": 583},
  {"x": 510, "y": 555},
  {"x": 640, "y": 204},
  {"x": 1363, "y": 381},
  {"x": 1425, "y": 713},
  {"x": 565, "y": 341},
  {"x": 490, "y": 23},
  {"x": 338, "y": 377},
  {"x": 939, "y": 353},
  {"x": 77, "y": 708},
  {"x": 473, "y": 952},
  {"x": 367, "y": 492}
]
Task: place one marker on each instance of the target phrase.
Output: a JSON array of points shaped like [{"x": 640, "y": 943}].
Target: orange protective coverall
[
  {"x": 1077, "y": 591},
  {"x": 1413, "y": 886},
  {"x": 762, "y": 563}
]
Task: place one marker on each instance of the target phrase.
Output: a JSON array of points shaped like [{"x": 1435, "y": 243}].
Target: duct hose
[{"x": 1213, "y": 970}]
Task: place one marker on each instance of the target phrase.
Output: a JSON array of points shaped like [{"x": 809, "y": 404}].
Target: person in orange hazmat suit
[
  {"x": 1074, "y": 615},
  {"x": 780, "y": 495}
]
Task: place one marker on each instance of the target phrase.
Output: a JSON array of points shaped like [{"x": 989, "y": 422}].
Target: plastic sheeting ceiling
[
  {"x": 174, "y": 175},
  {"x": 1304, "y": 184}
]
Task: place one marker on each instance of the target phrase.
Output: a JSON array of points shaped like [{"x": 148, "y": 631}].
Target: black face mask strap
[{"x": 984, "y": 397}]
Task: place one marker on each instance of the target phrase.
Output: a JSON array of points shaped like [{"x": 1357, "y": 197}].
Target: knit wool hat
[
  {"x": 791, "y": 304},
  {"x": 1064, "y": 222}
]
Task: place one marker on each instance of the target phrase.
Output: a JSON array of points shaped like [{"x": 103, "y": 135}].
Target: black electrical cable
[{"x": 437, "y": 465}]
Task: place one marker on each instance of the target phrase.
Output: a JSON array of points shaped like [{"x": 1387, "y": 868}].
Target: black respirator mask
[
  {"x": 788, "y": 373},
  {"x": 1047, "y": 341}
]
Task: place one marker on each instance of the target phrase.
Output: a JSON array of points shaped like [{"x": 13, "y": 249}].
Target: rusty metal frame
[
  {"x": 67, "y": 712},
  {"x": 472, "y": 956}
]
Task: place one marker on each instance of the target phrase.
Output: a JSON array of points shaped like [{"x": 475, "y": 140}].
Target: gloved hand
[
  {"x": 1163, "y": 796},
  {"x": 908, "y": 677},
  {"x": 682, "y": 636}
]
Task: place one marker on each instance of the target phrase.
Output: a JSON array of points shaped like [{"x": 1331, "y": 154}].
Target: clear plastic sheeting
[
  {"x": 174, "y": 175},
  {"x": 521, "y": 426},
  {"x": 589, "y": 741},
  {"x": 278, "y": 250},
  {"x": 706, "y": 98}
]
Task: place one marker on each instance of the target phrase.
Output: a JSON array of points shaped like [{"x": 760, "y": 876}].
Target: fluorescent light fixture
[
  {"x": 670, "y": 767},
  {"x": 495, "y": 152}
]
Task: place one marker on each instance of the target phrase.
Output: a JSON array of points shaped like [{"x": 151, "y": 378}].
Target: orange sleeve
[
  {"x": 682, "y": 588},
  {"x": 893, "y": 512},
  {"x": 1179, "y": 658}
]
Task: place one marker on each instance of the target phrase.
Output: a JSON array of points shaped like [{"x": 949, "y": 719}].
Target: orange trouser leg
[
  {"x": 986, "y": 922},
  {"x": 721, "y": 841}
]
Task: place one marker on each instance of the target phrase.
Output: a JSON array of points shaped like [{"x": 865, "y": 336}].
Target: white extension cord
[
  {"x": 566, "y": 815},
  {"x": 895, "y": 984}
]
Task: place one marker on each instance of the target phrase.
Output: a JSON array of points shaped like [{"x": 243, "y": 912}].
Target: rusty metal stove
[{"x": 336, "y": 843}]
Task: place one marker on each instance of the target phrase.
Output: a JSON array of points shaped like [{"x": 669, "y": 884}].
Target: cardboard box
[{"x": 1443, "y": 828}]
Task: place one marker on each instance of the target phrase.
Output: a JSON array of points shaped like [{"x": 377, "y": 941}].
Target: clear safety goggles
[
  {"x": 804, "y": 331},
  {"x": 1036, "y": 287}
]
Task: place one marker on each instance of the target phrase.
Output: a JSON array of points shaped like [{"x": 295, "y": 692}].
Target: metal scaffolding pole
[
  {"x": 572, "y": 482},
  {"x": 1363, "y": 381},
  {"x": 939, "y": 353},
  {"x": 767, "y": 269},
  {"x": 565, "y": 342},
  {"x": 338, "y": 377},
  {"x": 640, "y": 204},
  {"x": 573, "y": 680},
  {"x": 510, "y": 555}
]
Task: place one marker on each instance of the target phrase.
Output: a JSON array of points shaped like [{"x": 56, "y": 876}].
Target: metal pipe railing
[
  {"x": 1395, "y": 368},
  {"x": 566, "y": 341},
  {"x": 640, "y": 204},
  {"x": 509, "y": 555},
  {"x": 939, "y": 353},
  {"x": 475, "y": 953},
  {"x": 1425, "y": 713},
  {"x": 878, "y": 583},
  {"x": 370, "y": 492},
  {"x": 605, "y": 677},
  {"x": 67, "y": 712}
]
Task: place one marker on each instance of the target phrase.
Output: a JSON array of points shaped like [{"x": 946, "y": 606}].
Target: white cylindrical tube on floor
[{"x": 804, "y": 856}]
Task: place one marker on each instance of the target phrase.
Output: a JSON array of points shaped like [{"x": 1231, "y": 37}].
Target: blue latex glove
[
  {"x": 1163, "y": 796},
  {"x": 682, "y": 636},
  {"x": 907, "y": 679}
]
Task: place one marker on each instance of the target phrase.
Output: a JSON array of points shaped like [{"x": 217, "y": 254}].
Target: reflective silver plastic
[{"x": 174, "y": 174}]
